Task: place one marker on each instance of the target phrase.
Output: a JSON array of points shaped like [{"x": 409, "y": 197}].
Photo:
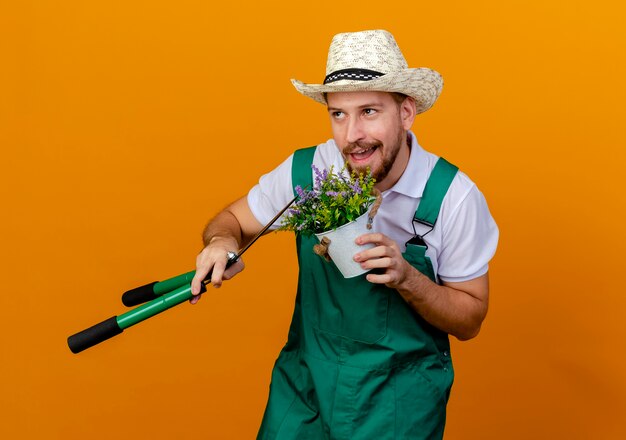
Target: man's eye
[
  {"x": 337, "y": 115},
  {"x": 369, "y": 111}
]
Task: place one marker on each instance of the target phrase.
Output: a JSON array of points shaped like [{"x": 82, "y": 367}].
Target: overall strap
[
  {"x": 301, "y": 173},
  {"x": 436, "y": 188}
]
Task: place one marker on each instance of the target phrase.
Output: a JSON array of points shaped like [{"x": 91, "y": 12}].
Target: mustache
[{"x": 350, "y": 148}]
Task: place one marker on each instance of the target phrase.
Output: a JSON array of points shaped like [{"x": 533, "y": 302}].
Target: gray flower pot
[{"x": 342, "y": 247}]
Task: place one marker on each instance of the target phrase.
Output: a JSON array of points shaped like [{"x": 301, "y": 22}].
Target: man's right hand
[
  {"x": 231, "y": 228},
  {"x": 215, "y": 256}
]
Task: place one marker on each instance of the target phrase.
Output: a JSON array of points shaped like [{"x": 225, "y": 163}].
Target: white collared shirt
[{"x": 460, "y": 245}]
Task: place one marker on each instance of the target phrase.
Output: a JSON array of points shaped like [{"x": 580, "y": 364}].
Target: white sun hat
[{"x": 372, "y": 61}]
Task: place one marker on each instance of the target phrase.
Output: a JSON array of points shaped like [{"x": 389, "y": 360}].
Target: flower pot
[{"x": 342, "y": 247}]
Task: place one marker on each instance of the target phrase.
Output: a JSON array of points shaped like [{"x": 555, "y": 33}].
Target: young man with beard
[{"x": 369, "y": 357}]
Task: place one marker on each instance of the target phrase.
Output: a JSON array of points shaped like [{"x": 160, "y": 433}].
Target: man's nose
[{"x": 354, "y": 131}]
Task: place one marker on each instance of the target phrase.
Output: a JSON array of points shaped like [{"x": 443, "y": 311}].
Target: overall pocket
[{"x": 352, "y": 308}]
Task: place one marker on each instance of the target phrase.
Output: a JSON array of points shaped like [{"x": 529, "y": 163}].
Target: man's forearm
[
  {"x": 224, "y": 226},
  {"x": 457, "y": 312},
  {"x": 455, "y": 308}
]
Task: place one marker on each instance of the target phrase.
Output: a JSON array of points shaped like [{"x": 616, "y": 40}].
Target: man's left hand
[{"x": 386, "y": 257}]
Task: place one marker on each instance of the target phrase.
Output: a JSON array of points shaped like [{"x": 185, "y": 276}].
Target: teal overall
[{"x": 359, "y": 364}]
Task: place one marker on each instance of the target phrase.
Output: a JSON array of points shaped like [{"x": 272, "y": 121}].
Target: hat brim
[{"x": 422, "y": 84}]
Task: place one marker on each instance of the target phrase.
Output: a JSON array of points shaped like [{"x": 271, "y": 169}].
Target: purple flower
[
  {"x": 332, "y": 193},
  {"x": 320, "y": 177}
]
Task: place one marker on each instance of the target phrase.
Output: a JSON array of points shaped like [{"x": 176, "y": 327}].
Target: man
[{"x": 368, "y": 357}]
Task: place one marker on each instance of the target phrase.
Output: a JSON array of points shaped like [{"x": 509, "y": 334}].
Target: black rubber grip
[
  {"x": 139, "y": 295},
  {"x": 94, "y": 335}
]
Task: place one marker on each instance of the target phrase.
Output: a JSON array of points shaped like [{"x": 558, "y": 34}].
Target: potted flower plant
[{"x": 339, "y": 208}]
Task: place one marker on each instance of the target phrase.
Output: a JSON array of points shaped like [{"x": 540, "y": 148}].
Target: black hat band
[{"x": 355, "y": 74}]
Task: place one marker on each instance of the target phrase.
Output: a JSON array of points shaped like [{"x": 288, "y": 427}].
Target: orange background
[{"x": 124, "y": 126}]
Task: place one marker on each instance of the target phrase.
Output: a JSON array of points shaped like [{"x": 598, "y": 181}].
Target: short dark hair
[{"x": 397, "y": 97}]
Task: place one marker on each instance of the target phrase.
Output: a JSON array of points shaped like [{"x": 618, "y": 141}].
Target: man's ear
[{"x": 408, "y": 111}]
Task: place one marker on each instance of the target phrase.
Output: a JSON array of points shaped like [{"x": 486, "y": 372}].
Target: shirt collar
[{"x": 413, "y": 180}]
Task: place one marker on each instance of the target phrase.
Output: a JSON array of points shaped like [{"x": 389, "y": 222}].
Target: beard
[{"x": 388, "y": 154}]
